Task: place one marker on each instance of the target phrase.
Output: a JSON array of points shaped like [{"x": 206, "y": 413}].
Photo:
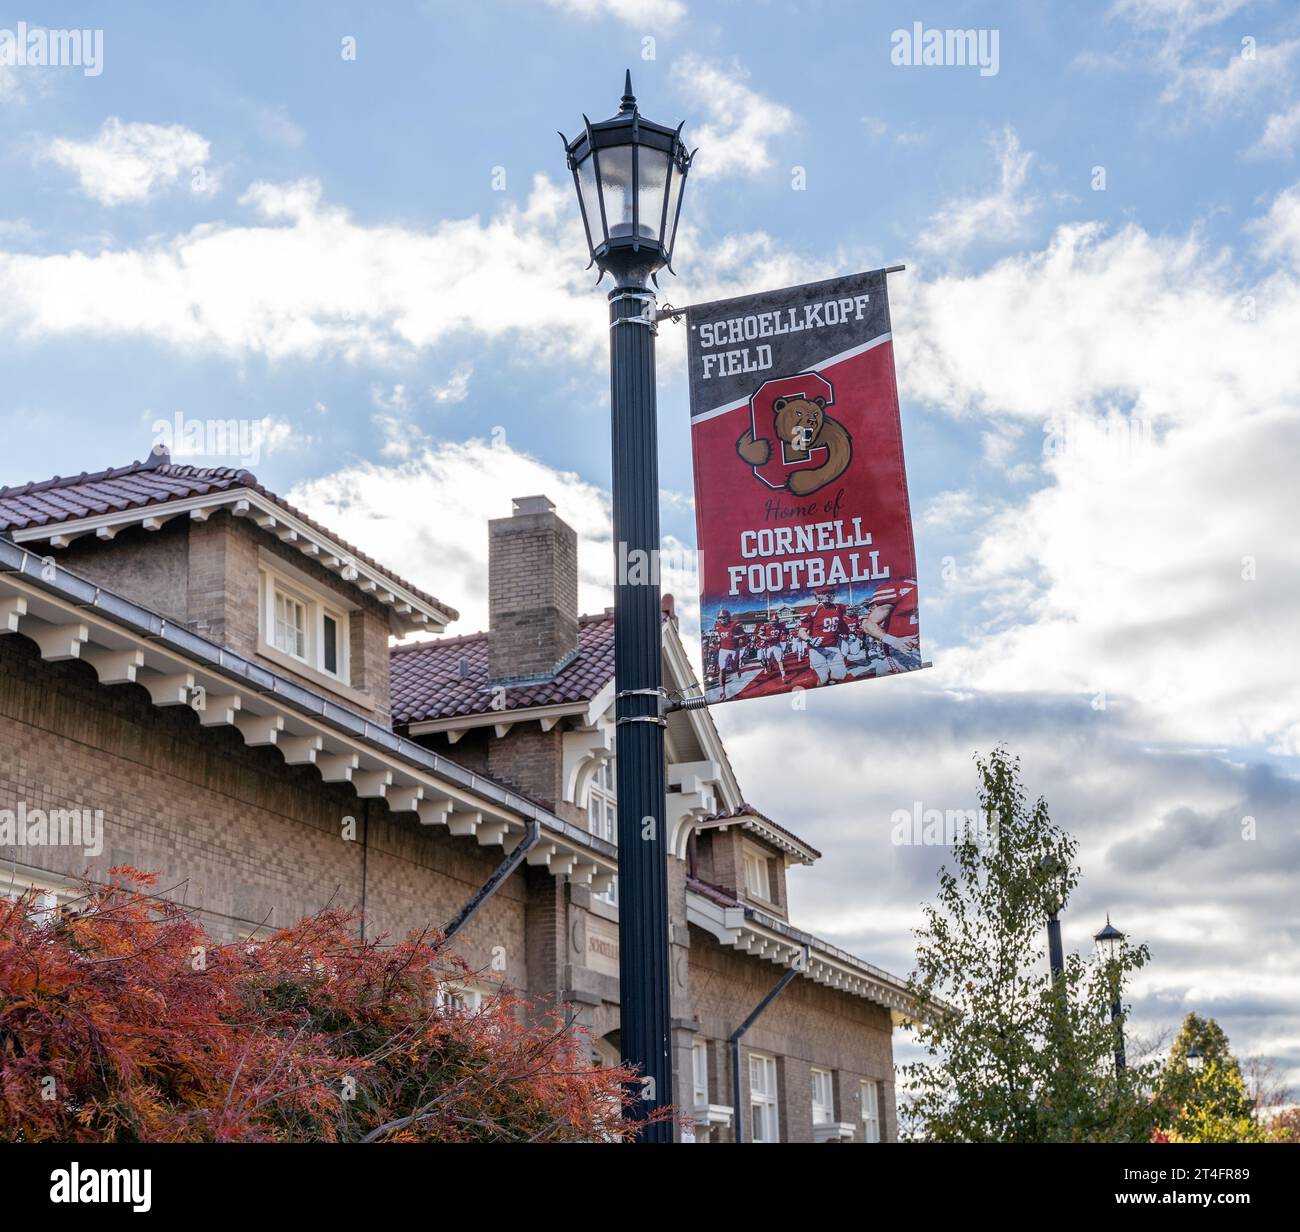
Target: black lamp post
[
  {"x": 1050, "y": 867},
  {"x": 1110, "y": 945},
  {"x": 629, "y": 173}
]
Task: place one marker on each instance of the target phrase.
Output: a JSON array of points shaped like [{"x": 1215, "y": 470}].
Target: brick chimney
[{"x": 532, "y": 591}]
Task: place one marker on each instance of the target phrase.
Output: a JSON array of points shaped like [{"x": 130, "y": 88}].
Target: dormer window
[
  {"x": 302, "y": 622},
  {"x": 758, "y": 874}
]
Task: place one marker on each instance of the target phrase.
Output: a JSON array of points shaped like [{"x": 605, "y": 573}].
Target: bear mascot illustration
[{"x": 802, "y": 426}]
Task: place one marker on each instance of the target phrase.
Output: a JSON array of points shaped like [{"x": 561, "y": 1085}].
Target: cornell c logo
[{"x": 791, "y": 441}]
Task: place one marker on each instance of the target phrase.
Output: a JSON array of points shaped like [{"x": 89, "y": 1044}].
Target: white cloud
[
  {"x": 648, "y": 15},
  {"x": 1243, "y": 77},
  {"x": 1158, "y": 563},
  {"x": 1155, "y": 323},
  {"x": 274, "y": 124},
  {"x": 463, "y": 485},
  {"x": 456, "y": 386},
  {"x": 385, "y": 291},
  {"x": 1177, "y": 15},
  {"x": 131, "y": 162},
  {"x": 952, "y": 508},
  {"x": 1279, "y": 231},
  {"x": 17, "y": 231},
  {"x": 740, "y": 123},
  {"x": 1170, "y": 40},
  {"x": 11, "y": 84},
  {"x": 266, "y": 287},
  {"x": 999, "y": 216},
  {"x": 1281, "y": 132}
]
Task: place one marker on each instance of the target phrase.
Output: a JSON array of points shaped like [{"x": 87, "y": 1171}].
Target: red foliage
[{"x": 123, "y": 1021}]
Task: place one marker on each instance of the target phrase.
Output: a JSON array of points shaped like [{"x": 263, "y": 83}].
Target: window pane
[
  {"x": 330, "y": 651},
  {"x": 290, "y": 626}
]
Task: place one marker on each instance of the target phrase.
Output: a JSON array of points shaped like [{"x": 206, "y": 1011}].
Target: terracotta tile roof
[
  {"x": 714, "y": 893},
  {"x": 748, "y": 810},
  {"x": 155, "y": 481},
  {"x": 448, "y": 678}
]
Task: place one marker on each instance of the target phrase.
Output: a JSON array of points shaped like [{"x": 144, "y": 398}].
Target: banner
[{"x": 807, "y": 567}]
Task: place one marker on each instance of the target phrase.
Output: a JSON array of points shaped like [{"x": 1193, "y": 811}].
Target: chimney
[{"x": 532, "y": 592}]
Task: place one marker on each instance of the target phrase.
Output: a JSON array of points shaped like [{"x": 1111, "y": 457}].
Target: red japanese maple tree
[{"x": 121, "y": 1020}]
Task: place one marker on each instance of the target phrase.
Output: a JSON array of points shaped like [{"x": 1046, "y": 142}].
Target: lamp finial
[{"x": 629, "y": 99}]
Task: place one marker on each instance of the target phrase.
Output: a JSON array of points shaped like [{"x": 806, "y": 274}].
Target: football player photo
[
  {"x": 825, "y": 632},
  {"x": 732, "y": 640},
  {"x": 891, "y": 620}
]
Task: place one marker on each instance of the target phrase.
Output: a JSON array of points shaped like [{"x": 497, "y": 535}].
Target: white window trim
[
  {"x": 764, "y": 1098},
  {"x": 700, "y": 1073},
  {"x": 319, "y": 603},
  {"x": 750, "y": 851},
  {"x": 869, "y": 1096},
  {"x": 605, "y": 798},
  {"x": 823, "y": 1113},
  {"x": 470, "y": 998}
]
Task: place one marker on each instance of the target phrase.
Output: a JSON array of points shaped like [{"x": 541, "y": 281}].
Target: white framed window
[
  {"x": 51, "y": 893},
  {"x": 823, "y": 1097},
  {"x": 758, "y": 879},
  {"x": 305, "y": 624},
  {"x": 870, "y": 1095},
  {"x": 455, "y": 1000},
  {"x": 290, "y": 634},
  {"x": 763, "y": 1103},
  {"x": 602, "y": 816},
  {"x": 700, "y": 1072}
]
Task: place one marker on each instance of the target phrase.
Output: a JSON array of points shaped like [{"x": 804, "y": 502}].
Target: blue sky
[{"x": 377, "y": 259}]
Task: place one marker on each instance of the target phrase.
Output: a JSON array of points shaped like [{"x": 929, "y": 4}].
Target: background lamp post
[
  {"x": 629, "y": 173},
  {"x": 1110, "y": 945},
  {"x": 1195, "y": 1059},
  {"x": 1051, "y": 868}
]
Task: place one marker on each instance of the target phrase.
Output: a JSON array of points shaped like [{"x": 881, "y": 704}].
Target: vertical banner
[{"x": 807, "y": 567}]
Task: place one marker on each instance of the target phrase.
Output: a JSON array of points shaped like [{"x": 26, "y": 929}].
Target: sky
[{"x": 350, "y": 227}]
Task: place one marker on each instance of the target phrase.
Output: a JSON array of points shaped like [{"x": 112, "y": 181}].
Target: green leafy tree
[
  {"x": 1209, "y": 1103},
  {"x": 1014, "y": 1056}
]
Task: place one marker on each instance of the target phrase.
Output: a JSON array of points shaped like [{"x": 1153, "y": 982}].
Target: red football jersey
[
  {"x": 730, "y": 636},
  {"x": 827, "y": 624},
  {"x": 901, "y": 596}
]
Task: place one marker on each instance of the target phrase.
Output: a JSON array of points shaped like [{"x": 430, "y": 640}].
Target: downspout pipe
[
  {"x": 737, "y": 1118},
  {"x": 494, "y": 882}
]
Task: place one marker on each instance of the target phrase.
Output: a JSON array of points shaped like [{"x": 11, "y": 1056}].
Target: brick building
[{"x": 214, "y": 671}]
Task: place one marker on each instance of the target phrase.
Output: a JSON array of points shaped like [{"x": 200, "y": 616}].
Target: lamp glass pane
[
  {"x": 590, "y": 199},
  {"x": 674, "y": 195},
  {"x": 616, "y": 185},
  {"x": 653, "y": 175}
]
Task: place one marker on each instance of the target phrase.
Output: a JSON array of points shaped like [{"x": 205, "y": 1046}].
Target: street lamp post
[
  {"x": 629, "y": 173},
  {"x": 1110, "y": 945},
  {"x": 1051, "y": 868}
]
